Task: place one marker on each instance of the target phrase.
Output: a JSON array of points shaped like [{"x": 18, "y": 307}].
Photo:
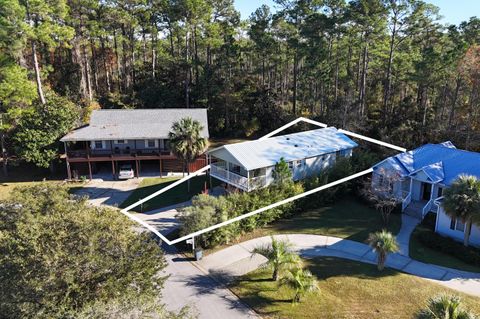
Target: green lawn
[
  {"x": 425, "y": 254},
  {"x": 178, "y": 194},
  {"x": 347, "y": 218},
  {"x": 217, "y": 142},
  {"x": 347, "y": 289}
]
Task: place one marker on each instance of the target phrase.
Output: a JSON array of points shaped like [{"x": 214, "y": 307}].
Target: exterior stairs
[{"x": 415, "y": 208}]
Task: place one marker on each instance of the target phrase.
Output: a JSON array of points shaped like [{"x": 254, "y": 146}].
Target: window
[
  {"x": 440, "y": 192},
  {"x": 298, "y": 163},
  {"x": 120, "y": 142},
  {"x": 98, "y": 145},
  {"x": 290, "y": 165},
  {"x": 456, "y": 224},
  {"x": 150, "y": 143}
]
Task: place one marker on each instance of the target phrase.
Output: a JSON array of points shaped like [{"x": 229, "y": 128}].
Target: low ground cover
[
  {"x": 348, "y": 218},
  {"x": 429, "y": 247},
  {"x": 178, "y": 194},
  {"x": 347, "y": 289}
]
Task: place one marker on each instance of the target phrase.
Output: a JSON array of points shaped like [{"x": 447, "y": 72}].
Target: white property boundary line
[{"x": 260, "y": 210}]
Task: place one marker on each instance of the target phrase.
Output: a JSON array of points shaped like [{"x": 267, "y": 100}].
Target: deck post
[
  {"x": 137, "y": 163},
  {"x": 89, "y": 169},
  {"x": 113, "y": 169},
  {"x": 161, "y": 168},
  {"x": 69, "y": 172}
]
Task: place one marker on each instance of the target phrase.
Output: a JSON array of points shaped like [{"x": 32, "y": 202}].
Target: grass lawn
[
  {"x": 347, "y": 218},
  {"x": 178, "y": 194},
  {"x": 348, "y": 289},
  {"x": 425, "y": 254}
]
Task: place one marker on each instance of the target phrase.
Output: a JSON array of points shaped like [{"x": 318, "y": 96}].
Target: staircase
[{"x": 415, "y": 208}]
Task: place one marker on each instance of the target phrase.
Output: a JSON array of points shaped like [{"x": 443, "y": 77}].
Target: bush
[
  {"x": 469, "y": 255},
  {"x": 207, "y": 211}
]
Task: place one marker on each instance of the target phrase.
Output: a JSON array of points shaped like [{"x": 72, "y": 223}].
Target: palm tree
[
  {"x": 383, "y": 243},
  {"x": 302, "y": 281},
  {"x": 445, "y": 307},
  {"x": 462, "y": 201},
  {"x": 279, "y": 256},
  {"x": 186, "y": 141}
]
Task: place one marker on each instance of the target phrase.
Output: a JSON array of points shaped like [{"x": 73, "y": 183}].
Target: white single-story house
[
  {"x": 250, "y": 165},
  {"x": 417, "y": 178}
]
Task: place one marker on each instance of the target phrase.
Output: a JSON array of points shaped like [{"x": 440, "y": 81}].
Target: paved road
[
  {"x": 236, "y": 260},
  {"x": 188, "y": 284},
  {"x": 105, "y": 192}
]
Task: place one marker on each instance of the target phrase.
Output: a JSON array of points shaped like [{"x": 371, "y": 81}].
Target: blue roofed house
[
  {"x": 250, "y": 165},
  {"x": 418, "y": 177}
]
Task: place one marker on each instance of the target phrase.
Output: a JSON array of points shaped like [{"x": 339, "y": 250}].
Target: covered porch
[{"x": 237, "y": 175}]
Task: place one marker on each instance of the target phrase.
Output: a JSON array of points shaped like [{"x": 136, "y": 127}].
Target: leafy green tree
[
  {"x": 445, "y": 307},
  {"x": 282, "y": 173},
  {"x": 383, "y": 243},
  {"x": 280, "y": 256},
  {"x": 300, "y": 280},
  {"x": 186, "y": 141},
  {"x": 462, "y": 201},
  {"x": 39, "y": 129},
  {"x": 60, "y": 254}
]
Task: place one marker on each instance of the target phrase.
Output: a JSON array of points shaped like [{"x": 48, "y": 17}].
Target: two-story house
[{"x": 114, "y": 137}]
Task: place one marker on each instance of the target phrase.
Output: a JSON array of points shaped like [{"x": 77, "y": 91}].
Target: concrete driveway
[{"x": 108, "y": 192}]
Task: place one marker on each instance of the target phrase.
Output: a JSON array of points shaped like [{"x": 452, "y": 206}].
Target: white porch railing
[
  {"x": 407, "y": 198},
  {"x": 237, "y": 180},
  {"x": 427, "y": 207},
  {"x": 229, "y": 177}
]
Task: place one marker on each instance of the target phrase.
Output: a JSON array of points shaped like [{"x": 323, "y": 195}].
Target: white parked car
[{"x": 126, "y": 172}]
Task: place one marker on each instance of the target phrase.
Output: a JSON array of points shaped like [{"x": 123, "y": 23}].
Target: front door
[{"x": 426, "y": 191}]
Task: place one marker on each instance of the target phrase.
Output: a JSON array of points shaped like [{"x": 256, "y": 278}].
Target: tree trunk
[
  {"x": 104, "y": 60},
  {"x": 295, "y": 71},
  {"x": 187, "y": 73},
  {"x": 86, "y": 67},
  {"x": 468, "y": 229},
  {"x": 275, "y": 274},
  {"x": 94, "y": 64},
  {"x": 454, "y": 101},
  {"x": 117, "y": 57},
  {"x": 363, "y": 81},
  {"x": 4, "y": 154},
  {"x": 388, "y": 85},
  {"x": 38, "y": 79}
]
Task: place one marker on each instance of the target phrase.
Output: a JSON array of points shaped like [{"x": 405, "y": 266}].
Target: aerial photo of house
[
  {"x": 116, "y": 138},
  {"x": 250, "y": 165},
  {"x": 419, "y": 177}
]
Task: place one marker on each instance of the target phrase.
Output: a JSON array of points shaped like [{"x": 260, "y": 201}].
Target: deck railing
[
  {"x": 427, "y": 207},
  {"x": 406, "y": 199},
  {"x": 219, "y": 171},
  {"x": 119, "y": 152}
]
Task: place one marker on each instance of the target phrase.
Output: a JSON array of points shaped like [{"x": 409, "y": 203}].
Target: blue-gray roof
[
  {"x": 134, "y": 124},
  {"x": 440, "y": 162},
  {"x": 264, "y": 153}
]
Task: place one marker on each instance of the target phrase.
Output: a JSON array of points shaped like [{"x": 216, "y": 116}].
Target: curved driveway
[{"x": 237, "y": 260}]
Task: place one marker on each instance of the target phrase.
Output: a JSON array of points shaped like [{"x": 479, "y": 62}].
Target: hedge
[{"x": 469, "y": 255}]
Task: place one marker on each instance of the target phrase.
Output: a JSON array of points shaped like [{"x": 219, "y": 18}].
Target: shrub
[
  {"x": 207, "y": 211},
  {"x": 469, "y": 255}
]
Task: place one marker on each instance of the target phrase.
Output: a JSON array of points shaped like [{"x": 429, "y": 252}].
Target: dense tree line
[{"x": 385, "y": 67}]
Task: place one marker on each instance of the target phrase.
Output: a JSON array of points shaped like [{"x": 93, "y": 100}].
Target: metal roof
[
  {"x": 441, "y": 162},
  {"x": 267, "y": 152},
  {"x": 134, "y": 124}
]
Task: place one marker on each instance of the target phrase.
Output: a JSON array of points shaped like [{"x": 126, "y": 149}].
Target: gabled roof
[
  {"x": 134, "y": 124},
  {"x": 267, "y": 152},
  {"x": 440, "y": 162}
]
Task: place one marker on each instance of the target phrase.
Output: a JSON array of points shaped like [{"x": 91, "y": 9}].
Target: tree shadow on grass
[{"x": 328, "y": 267}]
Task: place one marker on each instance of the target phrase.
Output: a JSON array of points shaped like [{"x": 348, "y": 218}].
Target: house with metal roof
[
  {"x": 250, "y": 165},
  {"x": 139, "y": 136},
  {"x": 418, "y": 177}
]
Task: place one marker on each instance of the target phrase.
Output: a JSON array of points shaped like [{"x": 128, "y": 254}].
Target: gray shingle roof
[{"x": 134, "y": 124}]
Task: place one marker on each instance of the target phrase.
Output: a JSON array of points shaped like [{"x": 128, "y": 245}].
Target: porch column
[
  {"x": 89, "y": 169},
  {"x": 160, "y": 167},
  {"x": 113, "y": 169},
  {"x": 411, "y": 185},
  {"x": 137, "y": 162},
  {"x": 248, "y": 180},
  {"x": 69, "y": 172}
]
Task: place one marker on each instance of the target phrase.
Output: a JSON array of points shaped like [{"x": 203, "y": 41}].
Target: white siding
[{"x": 443, "y": 228}]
